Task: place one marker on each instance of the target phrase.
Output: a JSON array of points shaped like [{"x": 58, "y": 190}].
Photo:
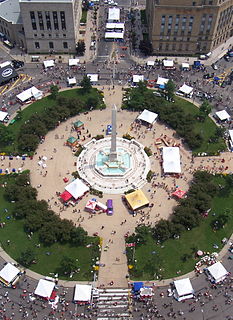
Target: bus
[{"x": 109, "y": 207}]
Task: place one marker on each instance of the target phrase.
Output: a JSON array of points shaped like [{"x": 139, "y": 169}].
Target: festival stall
[
  {"x": 29, "y": 94},
  {"x": 150, "y": 63},
  {"x": 113, "y": 15},
  {"x": 71, "y": 141},
  {"x": 77, "y": 189},
  {"x": 168, "y": 64},
  {"x": 171, "y": 160},
  {"x": 216, "y": 272},
  {"x": 185, "y": 66},
  {"x": 183, "y": 289},
  {"x": 71, "y": 81},
  {"x": 73, "y": 62},
  {"x": 114, "y": 35},
  {"x": 185, "y": 90},
  {"x": 90, "y": 206},
  {"x": 161, "y": 82},
  {"x": 136, "y": 200},
  {"x": 148, "y": 117},
  {"x": 223, "y": 115},
  {"x": 137, "y": 78},
  {"x": 9, "y": 275},
  {"x": 65, "y": 196},
  {"x": 45, "y": 289},
  {"x": 49, "y": 64},
  {"x": 82, "y": 293},
  {"x": 78, "y": 125},
  {"x": 93, "y": 77},
  {"x": 180, "y": 194},
  {"x": 3, "y": 116}
]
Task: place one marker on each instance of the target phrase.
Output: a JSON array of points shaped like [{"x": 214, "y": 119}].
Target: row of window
[
  {"x": 176, "y": 23},
  {"x": 51, "y": 45},
  {"x": 225, "y": 17},
  {"x": 42, "y": 35},
  {"x": 46, "y": 20},
  {"x": 180, "y": 46}
]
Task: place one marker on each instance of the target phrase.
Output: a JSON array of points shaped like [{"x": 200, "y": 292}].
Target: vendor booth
[
  {"x": 77, "y": 189},
  {"x": 185, "y": 66},
  {"x": 161, "y": 82},
  {"x": 9, "y": 275},
  {"x": 71, "y": 81},
  {"x": 73, "y": 62},
  {"x": 137, "y": 78},
  {"x": 65, "y": 196},
  {"x": 185, "y": 90},
  {"x": 168, "y": 64},
  {"x": 171, "y": 160},
  {"x": 223, "y": 115},
  {"x": 72, "y": 142},
  {"x": 78, "y": 125},
  {"x": 93, "y": 77},
  {"x": 183, "y": 289},
  {"x": 112, "y": 36},
  {"x": 45, "y": 289},
  {"x": 150, "y": 63},
  {"x": 82, "y": 293},
  {"x": 30, "y": 94},
  {"x": 115, "y": 27},
  {"x": 7, "y": 73},
  {"x": 216, "y": 272},
  {"x": 49, "y": 64},
  {"x": 146, "y": 293},
  {"x": 136, "y": 200},
  {"x": 90, "y": 206},
  {"x": 3, "y": 116},
  {"x": 180, "y": 194},
  {"x": 113, "y": 15},
  {"x": 148, "y": 117}
]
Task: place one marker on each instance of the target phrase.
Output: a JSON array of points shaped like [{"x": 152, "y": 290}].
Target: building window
[
  {"x": 194, "y": 3},
  {"x": 37, "y": 45},
  {"x": 35, "y": 35},
  {"x": 63, "y": 20},
  {"x": 51, "y": 45},
  {"x": 40, "y": 18},
  {"x": 48, "y": 20},
  {"x": 65, "y": 45},
  {"x": 33, "y": 20},
  {"x": 64, "y": 35},
  {"x": 57, "y": 35},
  {"x": 55, "y": 20},
  {"x": 210, "y": 3},
  {"x": 50, "y": 35},
  {"x": 174, "y": 46}
]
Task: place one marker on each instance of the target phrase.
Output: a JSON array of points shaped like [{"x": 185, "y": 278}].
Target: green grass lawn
[
  {"x": 169, "y": 255},
  {"x": 84, "y": 16},
  {"x": 46, "y": 264}
]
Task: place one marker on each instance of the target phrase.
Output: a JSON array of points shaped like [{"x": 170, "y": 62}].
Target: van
[{"x": 109, "y": 207}]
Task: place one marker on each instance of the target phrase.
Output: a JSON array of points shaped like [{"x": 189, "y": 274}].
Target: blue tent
[
  {"x": 161, "y": 86},
  {"x": 137, "y": 286}
]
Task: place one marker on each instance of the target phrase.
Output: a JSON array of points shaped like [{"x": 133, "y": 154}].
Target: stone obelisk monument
[{"x": 113, "y": 152}]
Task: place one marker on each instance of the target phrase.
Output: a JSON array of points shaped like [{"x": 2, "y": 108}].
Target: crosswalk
[{"x": 112, "y": 303}]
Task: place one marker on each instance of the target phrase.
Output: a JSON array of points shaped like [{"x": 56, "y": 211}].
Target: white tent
[
  {"x": 90, "y": 205},
  {"x": 137, "y": 78},
  {"x": 186, "y": 89},
  {"x": 150, "y": 63},
  {"x": 217, "y": 272},
  {"x": 113, "y": 14},
  {"x": 3, "y": 115},
  {"x": 44, "y": 288},
  {"x": 171, "y": 160},
  {"x": 9, "y": 273},
  {"x": 49, "y": 63},
  {"x": 115, "y": 25},
  {"x": 114, "y": 35},
  {"x": 161, "y": 81},
  {"x": 77, "y": 188},
  {"x": 183, "y": 289},
  {"x": 148, "y": 116},
  {"x": 168, "y": 63},
  {"x": 32, "y": 92},
  {"x": 93, "y": 77},
  {"x": 82, "y": 292},
  {"x": 71, "y": 81},
  {"x": 73, "y": 62},
  {"x": 223, "y": 115},
  {"x": 185, "y": 65},
  {"x": 101, "y": 206}
]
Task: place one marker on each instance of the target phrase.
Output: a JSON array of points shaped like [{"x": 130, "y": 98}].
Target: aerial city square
[{"x": 116, "y": 176}]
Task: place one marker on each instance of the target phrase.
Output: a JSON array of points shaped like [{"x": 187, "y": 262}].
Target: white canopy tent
[
  {"x": 115, "y": 25},
  {"x": 137, "y": 78},
  {"x": 71, "y": 81},
  {"x": 183, "y": 289},
  {"x": 114, "y": 35},
  {"x": 32, "y": 92},
  {"x": 113, "y": 14},
  {"x": 77, "y": 188},
  {"x": 82, "y": 292},
  {"x": 3, "y": 115},
  {"x": 171, "y": 160},
  {"x": 185, "y": 65},
  {"x": 186, "y": 89},
  {"x": 9, "y": 273},
  {"x": 161, "y": 81},
  {"x": 49, "y": 63},
  {"x": 93, "y": 77},
  {"x": 73, "y": 62},
  {"x": 168, "y": 63},
  {"x": 148, "y": 116},
  {"x": 101, "y": 206},
  {"x": 150, "y": 63},
  {"x": 44, "y": 288},
  {"x": 223, "y": 115},
  {"x": 217, "y": 272}
]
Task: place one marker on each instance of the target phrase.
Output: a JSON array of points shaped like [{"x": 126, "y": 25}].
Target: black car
[
  {"x": 17, "y": 64},
  {"x": 226, "y": 57}
]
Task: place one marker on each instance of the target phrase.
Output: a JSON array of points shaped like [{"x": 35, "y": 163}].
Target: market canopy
[
  {"x": 184, "y": 65},
  {"x": 49, "y": 63},
  {"x": 161, "y": 81},
  {"x": 183, "y": 289},
  {"x": 148, "y": 116},
  {"x": 185, "y": 89},
  {"x": 168, "y": 63},
  {"x": 44, "y": 288},
  {"x": 217, "y": 272},
  {"x": 114, "y": 35},
  {"x": 137, "y": 78},
  {"x": 113, "y": 14},
  {"x": 9, "y": 273},
  {"x": 71, "y": 81},
  {"x": 3, "y": 115},
  {"x": 73, "y": 62},
  {"x": 115, "y": 25},
  {"x": 171, "y": 160},
  {"x": 93, "y": 77},
  {"x": 136, "y": 199},
  {"x": 137, "y": 286},
  {"x": 179, "y": 193},
  {"x": 32, "y": 92},
  {"x": 223, "y": 115},
  {"x": 150, "y": 63},
  {"x": 65, "y": 196},
  {"x": 77, "y": 188},
  {"x": 82, "y": 292}
]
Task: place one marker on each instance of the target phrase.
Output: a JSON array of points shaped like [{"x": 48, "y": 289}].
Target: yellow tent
[{"x": 136, "y": 199}]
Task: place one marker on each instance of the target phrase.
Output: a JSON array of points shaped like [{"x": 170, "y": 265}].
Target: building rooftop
[{"x": 10, "y": 11}]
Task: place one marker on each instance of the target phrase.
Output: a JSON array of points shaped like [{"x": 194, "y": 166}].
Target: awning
[
  {"x": 217, "y": 272},
  {"x": 185, "y": 89},
  {"x": 161, "y": 81},
  {"x": 44, "y": 288},
  {"x": 65, "y": 196},
  {"x": 137, "y": 78},
  {"x": 183, "y": 289},
  {"x": 114, "y": 35},
  {"x": 93, "y": 77},
  {"x": 71, "y": 81},
  {"x": 73, "y": 62},
  {"x": 148, "y": 116},
  {"x": 113, "y": 14},
  {"x": 3, "y": 115},
  {"x": 223, "y": 115},
  {"x": 137, "y": 286},
  {"x": 9, "y": 273},
  {"x": 179, "y": 193},
  {"x": 184, "y": 65},
  {"x": 32, "y": 92},
  {"x": 77, "y": 188},
  {"x": 150, "y": 63},
  {"x": 82, "y": 292},
  {"x": 171, "y": 160},
  {"x": 49, "y": 63},
  {"x": 136, "y": 199},
  {"x": 168, "y": 63}
]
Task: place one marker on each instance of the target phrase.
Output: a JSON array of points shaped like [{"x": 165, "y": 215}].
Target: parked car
[
  {"x": 214, "y": 66},
  {"x": 17, "y": 64}
]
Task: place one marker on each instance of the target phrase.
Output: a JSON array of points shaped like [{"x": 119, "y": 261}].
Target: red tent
[
  {"x": 66, "y": 196},
  {"x": 179, "y": 193}
]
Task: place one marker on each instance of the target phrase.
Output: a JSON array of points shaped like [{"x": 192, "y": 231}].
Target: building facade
[
  {"x": 51, "y": 26},
  {"x": 187, "y": 27}
]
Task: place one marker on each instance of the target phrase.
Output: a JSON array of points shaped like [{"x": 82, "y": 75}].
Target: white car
[{"x": 214, "y": 66}]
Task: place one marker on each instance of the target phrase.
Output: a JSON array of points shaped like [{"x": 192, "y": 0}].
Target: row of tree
[{"x": 38, "y": 217}]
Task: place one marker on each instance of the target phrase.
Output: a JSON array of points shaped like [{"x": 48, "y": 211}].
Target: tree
[
  {"x": 27, "y": 257},
  {"x": 47, "y": 234},
  {"x": 146, "y": 47},
  {"x": 54, "y": 89},
  {"x": 80, "y": 48},
  {"x": 78, "y": 236},
  {"x": 161, "y": 231},
  {"x": 28, "y": 142},
  {"x": 170, "y": 89},
  {"x": 219, "y": 132},
  {"x": 205, "y": 108},
  {"x": 86, "y": 84},
  {"x": 220, "y": 222},
  {"x": 6, "y": 136},
  {"x": 67, "y": 265}
]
